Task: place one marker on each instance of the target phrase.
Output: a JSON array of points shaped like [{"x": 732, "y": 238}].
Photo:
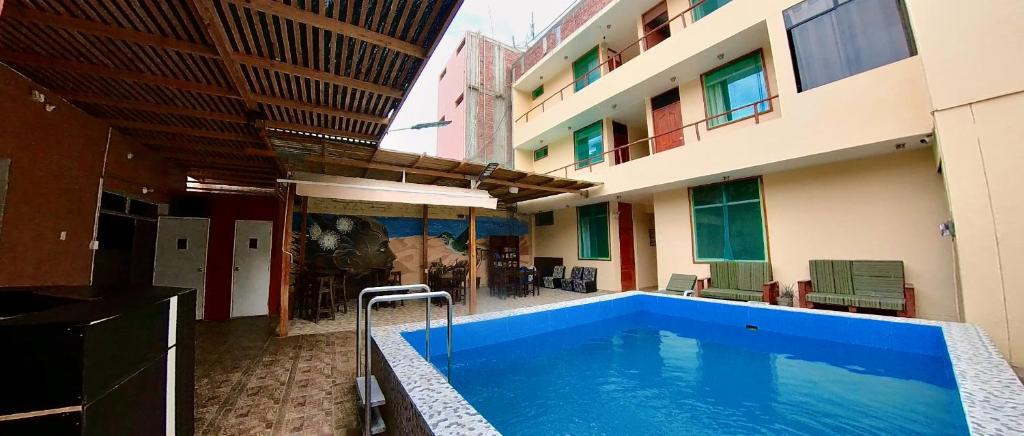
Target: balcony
[
  {"x": 884, "y": 110},
  {"x": 641, "y": 69}
]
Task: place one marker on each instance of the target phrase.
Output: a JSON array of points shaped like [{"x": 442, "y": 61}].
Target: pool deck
[{"x": 992, "y": 394}]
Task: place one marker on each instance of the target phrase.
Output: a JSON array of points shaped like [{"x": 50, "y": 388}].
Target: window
[
  {"x": 589, "y": 145},
  {"x": 706, "y": 8},
  {"x": 836, "y": 39},
  {"x": 538, "y": 92},
  {"x": 544, "y": 218},
  {"x": 458, "y": 101},
  {"x": 728, "y": 223},
  {"x": 585, "y": 70},
  {"x": 461, "y": 46},
  {"x": 540, "y": 153},
  {"x": 593, "y": 231},
  {"x": 443, "y": 72},
  {"x": 732, "y": 90}
]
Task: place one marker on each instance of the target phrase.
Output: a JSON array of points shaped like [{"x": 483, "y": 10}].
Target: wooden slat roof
[
  {"x": 318, "y": 154},
  {"x": 200, "y": 81}
]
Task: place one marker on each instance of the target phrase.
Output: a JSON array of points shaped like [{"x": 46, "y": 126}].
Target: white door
[
  {"x": 180, "y": 258},
  {"x": 250, "y": 278}
]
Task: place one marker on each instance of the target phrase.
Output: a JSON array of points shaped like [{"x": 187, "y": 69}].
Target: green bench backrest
[
  {"x": 681, "y": 282},
  {"x": 876, "y": 278},
  {"x": 746, "y": 276}
]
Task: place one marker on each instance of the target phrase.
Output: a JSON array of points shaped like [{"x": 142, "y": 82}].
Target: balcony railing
[
  {"x": 589, "y": 162},
  {"x": 614, "y": 60}
]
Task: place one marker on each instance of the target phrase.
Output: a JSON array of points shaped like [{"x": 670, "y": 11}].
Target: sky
[{"x": 498, "y": 19}]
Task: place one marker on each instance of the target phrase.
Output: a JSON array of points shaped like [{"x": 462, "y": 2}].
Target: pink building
[{"x": 473, "y": 93}]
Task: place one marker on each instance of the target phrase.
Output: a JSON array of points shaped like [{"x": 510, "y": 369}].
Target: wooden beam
[
  {"x": 151, "y": 107},
  {"x": 109, "y": 31},
  {"x": 286, "y": 257},
  {"x": 316, "y": 74},
  {"x": 423, "y": 239},
  {"x": 281, "y": 125},
  {"x": 220, "y": 40},
  {"x": 200, "y": 148},
  {"x": 472, "y": 261},
  {"x": 182, "y": 130},
  {"x": 319, "y": 109},
  {"x": 98, "y": 70},
  {"x": 334, "y": 25},
  {"x": 428, "y": 172}
]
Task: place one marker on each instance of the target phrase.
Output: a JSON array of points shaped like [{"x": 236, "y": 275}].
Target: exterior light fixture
[{"x": 420, "y": 126}]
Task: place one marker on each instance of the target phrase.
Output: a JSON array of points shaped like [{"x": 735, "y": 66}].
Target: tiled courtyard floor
[{"x": 249, "y": 382}]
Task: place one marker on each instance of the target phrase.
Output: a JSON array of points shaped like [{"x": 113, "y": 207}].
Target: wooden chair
[
  {"x": 854, "y": 284},
  {"x": 740, "y": 281}
]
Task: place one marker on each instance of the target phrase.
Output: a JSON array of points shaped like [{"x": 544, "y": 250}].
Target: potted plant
[{"x": 786, "y": 296}]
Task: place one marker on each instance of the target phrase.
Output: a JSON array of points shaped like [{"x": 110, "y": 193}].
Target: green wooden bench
[
  {"x": 740, "y": 281},
  {"x": 681, "y": 283},
  {"x": 868, "y": 284}
]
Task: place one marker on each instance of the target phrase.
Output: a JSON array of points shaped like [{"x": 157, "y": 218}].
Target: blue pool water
[{"x": 651, "y": 365}]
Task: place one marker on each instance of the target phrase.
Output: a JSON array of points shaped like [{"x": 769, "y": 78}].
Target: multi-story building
[
  {"x": 475, "y": 85},
  {"x": 784, "y": 131}
]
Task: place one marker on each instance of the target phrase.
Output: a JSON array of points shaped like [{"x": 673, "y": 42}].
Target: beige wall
[
  {"x": 981, "y": 157},
  {"x": 882, "y": 208},
  {"x": 560, "y": 240},
  {"x": 646, "y": 255}
]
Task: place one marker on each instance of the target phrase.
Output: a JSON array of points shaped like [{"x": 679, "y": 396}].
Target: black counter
[{"x": 96, "y": 360}]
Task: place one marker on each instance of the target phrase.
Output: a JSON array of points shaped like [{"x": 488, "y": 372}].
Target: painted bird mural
[{"x": 458, "y": 244}]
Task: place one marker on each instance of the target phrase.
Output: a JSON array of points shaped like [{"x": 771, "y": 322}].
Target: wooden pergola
[
  {"x": 334, "y": 157},
  {"x": 240, "y": 93},
  {"x": 202, "y": 81}
]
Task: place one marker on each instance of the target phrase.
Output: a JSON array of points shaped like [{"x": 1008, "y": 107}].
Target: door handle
[
  {"x": 199, "y": 270},
  {"x": 237, "y": 269}
]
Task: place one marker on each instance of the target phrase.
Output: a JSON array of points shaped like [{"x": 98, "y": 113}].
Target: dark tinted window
[
  {"x": 835, "y": 39},
  {"x": 544, "y": 218}
]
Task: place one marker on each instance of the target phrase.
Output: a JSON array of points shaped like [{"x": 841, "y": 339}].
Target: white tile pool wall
[{"x": 992, "y": 395}]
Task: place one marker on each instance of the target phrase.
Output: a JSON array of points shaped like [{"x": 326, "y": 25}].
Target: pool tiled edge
[{"x": 992, "y": 395}]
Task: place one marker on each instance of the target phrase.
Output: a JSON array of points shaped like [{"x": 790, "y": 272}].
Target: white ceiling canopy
[{"x": 352, "y": 188}]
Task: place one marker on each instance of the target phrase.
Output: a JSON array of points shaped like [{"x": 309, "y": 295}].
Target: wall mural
[{"x": 366, "y": 246}]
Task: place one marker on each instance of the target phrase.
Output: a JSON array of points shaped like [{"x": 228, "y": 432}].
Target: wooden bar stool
[{"x": 325, "y": 294}]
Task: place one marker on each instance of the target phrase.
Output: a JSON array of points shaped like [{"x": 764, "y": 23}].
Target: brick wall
[{"x": 582, "y": 12}]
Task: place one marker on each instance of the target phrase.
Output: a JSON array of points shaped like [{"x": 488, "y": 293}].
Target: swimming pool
[{"x": 643, "y": 363}]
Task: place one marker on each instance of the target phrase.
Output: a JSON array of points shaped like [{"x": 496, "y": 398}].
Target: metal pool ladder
[{"x": 373, "y": 423}]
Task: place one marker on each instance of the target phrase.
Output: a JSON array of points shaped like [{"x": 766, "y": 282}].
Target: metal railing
[
  {"x": 589, "y": 162},
  {"x": 424, "y": 293},
  {"x": 615, "y": 59}
]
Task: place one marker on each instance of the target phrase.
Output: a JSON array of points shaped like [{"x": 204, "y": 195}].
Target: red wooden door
[
  {"x": 667, "y": 123},
  {"x": 626, "y": 253},
  {"x": 656, "y": 28},
  {"x": 620, "y": 138}
]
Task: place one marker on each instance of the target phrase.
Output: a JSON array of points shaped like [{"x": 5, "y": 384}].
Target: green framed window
[
  {"x": 731, "y": 90},
  {"x": 589, "y": 145},
  {"x": 540, "y": 153},
  {"x": 593, "y": 231},
  {"x": 538, "y": 92},
  {"x": 728, "y": 221},
  {"x": 706, "y": 8},
  {"x": 585, "y": 70}
]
